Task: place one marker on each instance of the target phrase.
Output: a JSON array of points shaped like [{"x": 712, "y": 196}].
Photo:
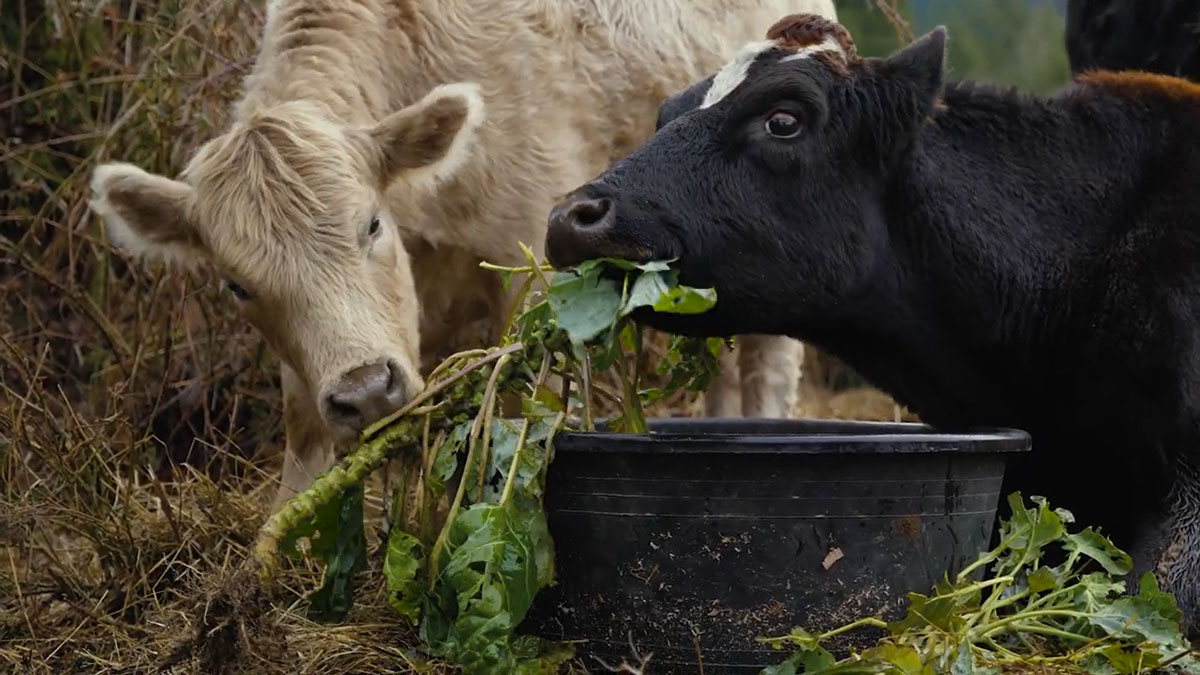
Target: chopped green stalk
[{"x": 327, "y": 487}]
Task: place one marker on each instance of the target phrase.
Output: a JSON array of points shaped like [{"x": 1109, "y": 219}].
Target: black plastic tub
[{"x": 700, "y": 536}]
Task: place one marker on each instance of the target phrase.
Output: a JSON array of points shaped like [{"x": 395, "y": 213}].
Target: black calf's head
[{"x": 765, "y": 180}]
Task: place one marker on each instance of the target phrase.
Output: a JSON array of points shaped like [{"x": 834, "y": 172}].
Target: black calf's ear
[
  {"x": 682, "y": 102},
  {"x": 921, "y": 65}
]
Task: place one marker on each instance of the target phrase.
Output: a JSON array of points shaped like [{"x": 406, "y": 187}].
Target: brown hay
[{"x": 139, "y": 421}]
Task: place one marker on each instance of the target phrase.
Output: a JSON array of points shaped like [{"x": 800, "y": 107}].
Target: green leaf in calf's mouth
[{"x": 587, "y": 300}]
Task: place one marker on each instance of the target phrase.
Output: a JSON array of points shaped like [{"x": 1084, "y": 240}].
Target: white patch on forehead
[
  {"x": 827, "y": 45},
  {"x": 734, "y": 73}
]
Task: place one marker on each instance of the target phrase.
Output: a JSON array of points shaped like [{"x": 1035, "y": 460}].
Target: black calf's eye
[
  {"x": 238, "y": 292},
  {"x": 373, "y": 231},
  {"x": 783, "y": 125}
]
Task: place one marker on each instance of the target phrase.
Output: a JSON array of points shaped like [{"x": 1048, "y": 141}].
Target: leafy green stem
[
  {"x": 440, "y": 543},
  {"x": 516, "y": 459}
]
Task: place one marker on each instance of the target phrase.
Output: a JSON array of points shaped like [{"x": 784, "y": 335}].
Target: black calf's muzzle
[{"x": 580, "y": 228}]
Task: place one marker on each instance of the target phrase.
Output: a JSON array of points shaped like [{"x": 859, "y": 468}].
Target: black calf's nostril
[
  {"x": 589, "y": 212},
  {"x": 579, "y": 227}
]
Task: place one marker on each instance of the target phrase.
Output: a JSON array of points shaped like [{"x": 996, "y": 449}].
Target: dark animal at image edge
[
  {"x": 1159, "y": 36},
  {"x": 987, "y": 257}
]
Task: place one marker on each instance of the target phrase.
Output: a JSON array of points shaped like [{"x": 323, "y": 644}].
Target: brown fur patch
[
  {"x": 1138, "y": 84},
  {"x": 805, "y": 30}
]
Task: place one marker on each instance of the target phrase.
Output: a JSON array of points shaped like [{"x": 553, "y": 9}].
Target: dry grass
[{"x": 139, "y": 421}]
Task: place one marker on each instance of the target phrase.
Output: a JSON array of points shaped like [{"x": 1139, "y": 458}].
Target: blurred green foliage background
[{"x": 1012, "y": 42}]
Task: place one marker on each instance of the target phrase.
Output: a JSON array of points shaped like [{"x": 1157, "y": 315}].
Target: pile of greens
[
  {"x": 1025, "y": 617},
  {"x": 468, "y": 545}
]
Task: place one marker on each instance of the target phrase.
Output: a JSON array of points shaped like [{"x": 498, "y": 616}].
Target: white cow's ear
[
  {"x": 431, "y": 139},
  {"x": 146, "y": 214}
]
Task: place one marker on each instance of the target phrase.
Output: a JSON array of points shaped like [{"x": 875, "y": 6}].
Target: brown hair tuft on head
[{"x": 805, "y": 30}]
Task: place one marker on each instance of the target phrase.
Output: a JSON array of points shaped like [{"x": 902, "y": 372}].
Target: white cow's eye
[
  {"x": 237, "y": 291},
  {"x": 375, "y": 227},
  {"x": 783, "y": 125}
]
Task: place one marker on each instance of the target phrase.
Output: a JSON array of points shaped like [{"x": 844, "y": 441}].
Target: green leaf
[
  {"x": 1163, "y": 603},
  {"x": 531, "y": 466},
  {"x": 1097, "y": 547},
  {"x": 690, "y": 363},
  {"x": 345, "y": 555},
  {"x": 538, "y": 656},
  {"x": 534, "y": 322},
  {"x": 488, "y": 582},
  {"x": 1042, "y": 579},
  {"x": 797, "y": 637},
  {"x": 1028, "y": 530},
  {"x": 963, "y": 664},
  {"x": 902, "y": 659},
  {"x": 445, "y": 459},
  {"x": 812, "y": 660},
  {"x": 1128, "y": 659},
  {"x": 686, "y": 300},
  {"x": 926, "y": 612},
  {"x": 404, "y": 559},
  {"x": 584, "y": 306},
  {"x": 656, "y": 265},
  {"x": 646, "y": 291},
  {"x": 597, "y": 263},
  {"x": 550, "y": 402},
  {"x": 1094, "y": 591},
  {"x": 1137, "y": 617}
]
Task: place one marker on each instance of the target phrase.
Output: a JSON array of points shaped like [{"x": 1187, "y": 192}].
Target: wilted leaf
[
  {"x": 320, "y": 531},
  {"x": 491, "y": 575},
  {"x": 445, "y": 461},
  {"x": 550, "y": 401},
  {"x": 531, "y": 465},
  {"x": 344, "y": 555},
  {"x": 402, "y": 563}
]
